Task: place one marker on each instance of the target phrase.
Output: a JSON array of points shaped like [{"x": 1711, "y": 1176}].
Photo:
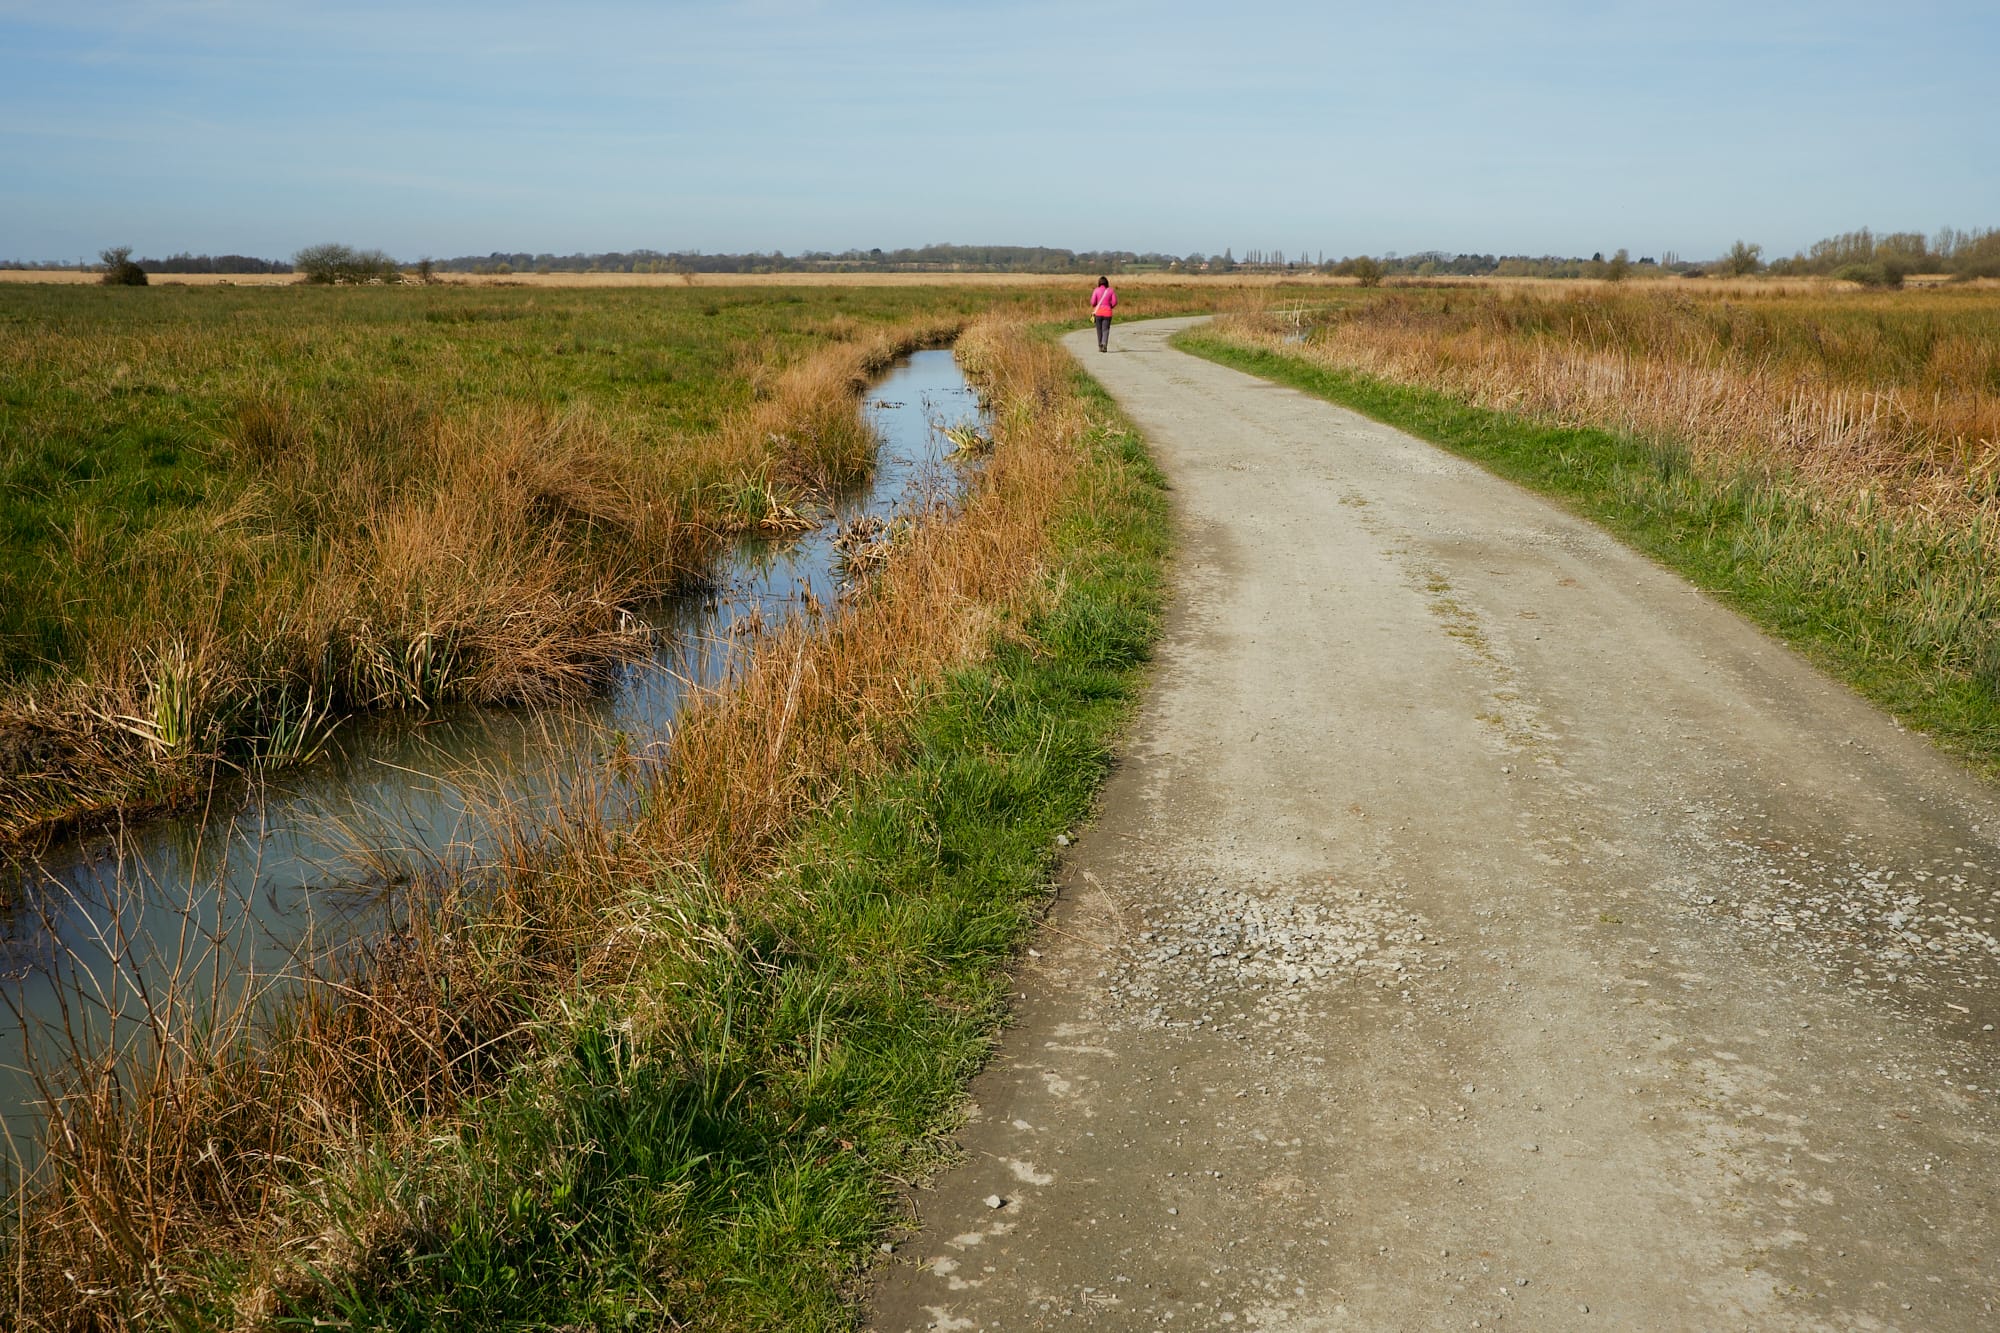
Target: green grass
[
  {"x": 122, "y": 410},
  {"x": 1906, "y": 611},
  {"x": 716, "y": 1145}
]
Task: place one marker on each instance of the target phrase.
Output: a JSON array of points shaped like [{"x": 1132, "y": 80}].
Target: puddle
[{"x": 305, "y": 860}]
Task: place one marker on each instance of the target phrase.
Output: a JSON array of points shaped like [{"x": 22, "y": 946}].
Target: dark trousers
[{"x": 1103, "y": 332}]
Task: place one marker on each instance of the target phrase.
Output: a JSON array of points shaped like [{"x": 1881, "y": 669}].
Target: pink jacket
[{"x": 1103, "y": 300}]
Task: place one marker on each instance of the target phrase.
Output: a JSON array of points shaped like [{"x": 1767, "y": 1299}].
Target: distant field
[
  {"x": 1198, "y": 282},
  {"x": 125, "y": 409},
  {"x": 1831, "y": 387},
  {"x": 73, "y": 277}
]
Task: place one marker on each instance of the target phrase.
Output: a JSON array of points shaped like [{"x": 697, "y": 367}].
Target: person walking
[{"x": 1103, "y": 301}]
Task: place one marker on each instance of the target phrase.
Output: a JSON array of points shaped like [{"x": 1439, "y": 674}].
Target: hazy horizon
[{"x": 448, "y": 129}]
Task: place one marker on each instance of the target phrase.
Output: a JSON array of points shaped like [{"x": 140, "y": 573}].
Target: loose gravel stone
[{"x": 1259, "y": 946}]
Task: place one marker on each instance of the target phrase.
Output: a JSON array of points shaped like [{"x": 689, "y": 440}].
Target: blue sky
[{"x": 449, "y": 128}]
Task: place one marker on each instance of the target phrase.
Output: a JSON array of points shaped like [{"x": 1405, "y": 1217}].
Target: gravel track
[{"x": 1484, "y": 929}]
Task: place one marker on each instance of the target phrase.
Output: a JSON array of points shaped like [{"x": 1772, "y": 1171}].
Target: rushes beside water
[
  {"x": 397, "y": 551},
  {"x": 500, "y": 576},
  {"x": 665, "y": 1071}
]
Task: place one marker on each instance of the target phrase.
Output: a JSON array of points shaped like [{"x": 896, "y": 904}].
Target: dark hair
[{"x": 1104, "y": 282}]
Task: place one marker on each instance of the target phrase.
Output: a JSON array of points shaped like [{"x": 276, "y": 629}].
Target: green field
[
  {"x": 230, "y": 516},
  {"x": 128, "y": 412}
]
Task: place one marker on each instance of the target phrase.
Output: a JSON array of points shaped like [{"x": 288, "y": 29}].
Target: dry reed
[
  {"x": 1816, "y": 395},
  {"x": 819, "y": 701}
]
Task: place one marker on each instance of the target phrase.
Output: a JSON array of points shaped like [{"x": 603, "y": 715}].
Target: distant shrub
[
  {"x": 1976, "y": 254},
  {"x": 332, "y": 263},
  {"x": 1876, "y": 274},
  {"x": 119, "y": 270},
  {"x": 1743, "y": 259},
  {"x": 1366, "y": 271},
  {"x": 1619, "y": 267}
]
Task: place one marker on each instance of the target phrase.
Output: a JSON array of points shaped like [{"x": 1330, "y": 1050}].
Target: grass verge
[
  {"x": 669, "y": 1074},
  {"x": 1904, "y": 608}
]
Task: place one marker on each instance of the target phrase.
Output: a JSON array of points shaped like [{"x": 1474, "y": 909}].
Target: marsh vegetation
[
  {"x": 660, "y": 1066},
  {"x": 229, "y": 518}
]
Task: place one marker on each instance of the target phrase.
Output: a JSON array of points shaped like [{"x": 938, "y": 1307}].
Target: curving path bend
[{"x": 1484, "y": 929}]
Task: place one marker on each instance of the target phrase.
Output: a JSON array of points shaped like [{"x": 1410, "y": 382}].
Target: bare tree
[
  {"x": 1743, "y": 259},
  {"x": 119, "y": 270},
  {"x": 334, "y": 263}
]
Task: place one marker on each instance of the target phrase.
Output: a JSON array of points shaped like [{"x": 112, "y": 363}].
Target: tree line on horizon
[
  {"x": 1875, "y": 259},
  {"x": 1884, "y": 260},
  {"x": 175, "y": 263}
]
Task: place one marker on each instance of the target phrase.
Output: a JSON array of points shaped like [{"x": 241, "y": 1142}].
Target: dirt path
[{"x": 1484, "y": 928}]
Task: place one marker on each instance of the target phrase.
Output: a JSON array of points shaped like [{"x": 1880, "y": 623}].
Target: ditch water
[{"x": 229, "y": 900}]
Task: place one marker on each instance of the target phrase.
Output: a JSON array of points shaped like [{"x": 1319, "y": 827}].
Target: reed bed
[
  {"x": 1892, "y": 398},
  {"x": 408, "y": 1128}
]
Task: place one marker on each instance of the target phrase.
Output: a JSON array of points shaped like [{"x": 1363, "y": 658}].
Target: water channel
[{"x": 292, "y": 865}]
